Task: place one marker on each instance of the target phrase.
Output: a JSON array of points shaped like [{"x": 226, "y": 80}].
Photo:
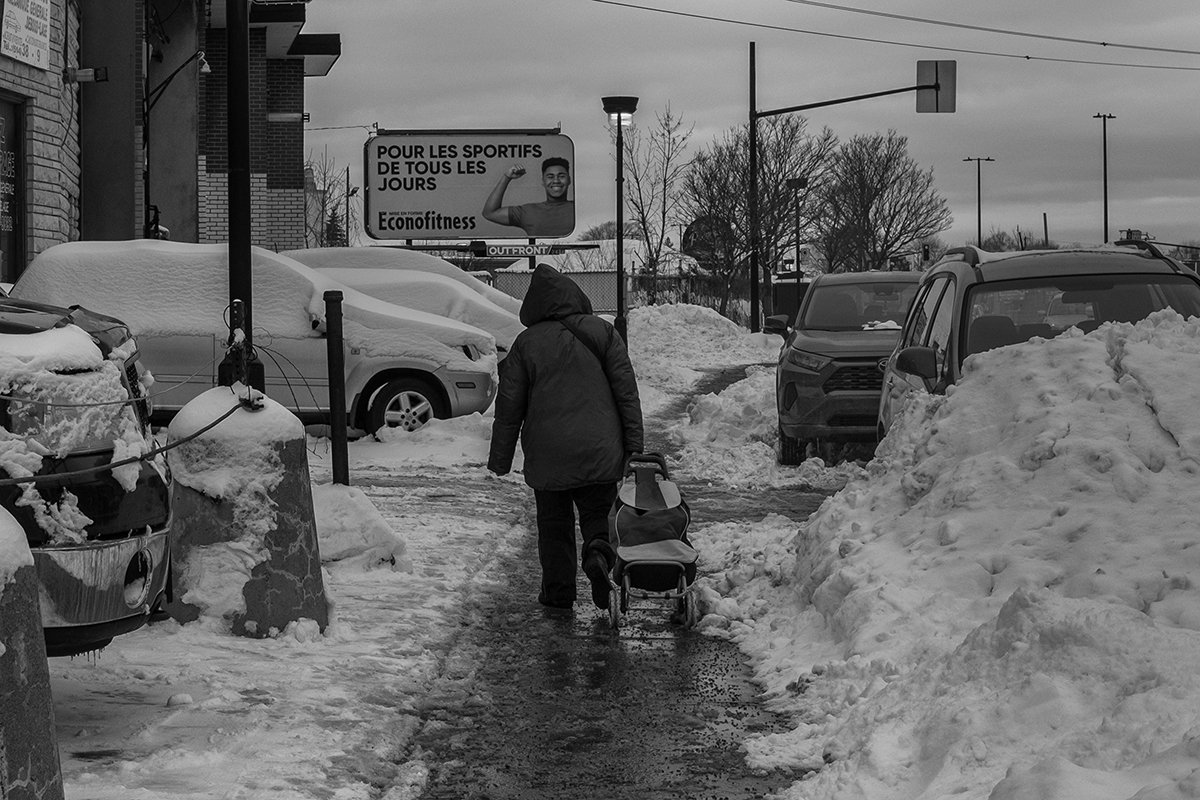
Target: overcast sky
[{"x": 1027, "y": 101}]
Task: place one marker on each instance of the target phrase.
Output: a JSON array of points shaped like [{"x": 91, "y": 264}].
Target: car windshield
[
  {"x": 870, "y": 305},
  {"x": 68, "y": 411},
  {"x": 1009, "y": 312}
]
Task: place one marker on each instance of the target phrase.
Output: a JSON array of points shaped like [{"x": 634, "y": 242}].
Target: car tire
[
  {"x": 408, "y": 403},
  {"x": 791, "y": 451}
]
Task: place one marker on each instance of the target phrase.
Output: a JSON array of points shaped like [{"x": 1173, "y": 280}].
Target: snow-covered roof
[
  {"x": 434, "y": 293},
  {"x": 401, "y": 259}
]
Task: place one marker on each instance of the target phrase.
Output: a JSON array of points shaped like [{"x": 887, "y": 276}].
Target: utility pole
[
  {"x": 1104, "y": 118},
  {"x": 753, "y": 199},
  {"x": 978, "y": 199}
]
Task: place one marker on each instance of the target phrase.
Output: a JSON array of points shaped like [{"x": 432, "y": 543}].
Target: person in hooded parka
[{"x": 569, "y": 392}]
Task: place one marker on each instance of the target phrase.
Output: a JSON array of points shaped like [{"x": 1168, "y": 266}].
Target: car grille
[{"x": 856, "y": 378}]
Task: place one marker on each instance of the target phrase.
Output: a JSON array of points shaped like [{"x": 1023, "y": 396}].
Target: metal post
[
  {"x": 796, "y": 185},
  {"x": 146, "y": 59},
  {"x": 1104, "y": 118},
  {"x": 979, "y": 198},
  {"x": 753, "y": 199},
  {"x": 620, "y": 323},
  {"x": 238, "y": 141},
  {"x": 346, "y": 224},
  {"x": 337, "y": 386},
  {"x": 796, "y": 204}
]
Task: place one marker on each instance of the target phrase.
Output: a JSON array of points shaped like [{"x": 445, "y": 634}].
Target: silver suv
[
  {"x": 972, "y": 301},
  {"x": 830, "y": 369}
]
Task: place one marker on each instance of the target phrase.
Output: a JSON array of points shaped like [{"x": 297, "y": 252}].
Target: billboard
[{"x": 506, "y": 184}]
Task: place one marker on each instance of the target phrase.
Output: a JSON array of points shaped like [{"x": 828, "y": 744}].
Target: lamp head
[{"x": 619, "y": 109}]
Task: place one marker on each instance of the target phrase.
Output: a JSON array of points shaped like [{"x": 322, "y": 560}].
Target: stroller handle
[{"x": 656, "y": 459}]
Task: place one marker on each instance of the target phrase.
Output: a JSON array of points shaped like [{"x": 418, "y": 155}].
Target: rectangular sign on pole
[
  {"x": 940, "y": 79},
  {"x": 504, "y": 184}
]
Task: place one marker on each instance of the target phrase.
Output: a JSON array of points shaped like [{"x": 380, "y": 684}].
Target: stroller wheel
[
  {"x": 683, "y": 604},
  {"x": 614, "y": 613}
]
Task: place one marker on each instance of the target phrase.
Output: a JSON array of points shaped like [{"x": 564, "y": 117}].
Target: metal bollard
[{"x": 337, "y": 387}]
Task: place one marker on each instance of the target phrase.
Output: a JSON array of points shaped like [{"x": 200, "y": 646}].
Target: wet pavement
[
  {"x": 542, "y": 704},
  {"x": 565, "y": 707}
]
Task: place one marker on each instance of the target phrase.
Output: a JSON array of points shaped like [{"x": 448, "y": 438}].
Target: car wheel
[
  {"x": 790, "y": 451},
  {"x": 408, "y": 403}
]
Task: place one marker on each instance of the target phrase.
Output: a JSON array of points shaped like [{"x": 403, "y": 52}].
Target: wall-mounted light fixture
[{"x": 97, "y": 75}]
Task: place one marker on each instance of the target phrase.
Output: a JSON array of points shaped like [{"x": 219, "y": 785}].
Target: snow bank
[
  {"x": 670, "y": 346},
  {"x": 1008, "y": 599}
]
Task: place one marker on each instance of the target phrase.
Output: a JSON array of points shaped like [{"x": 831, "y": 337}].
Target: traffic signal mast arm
[{"x": 807, "y": 106}]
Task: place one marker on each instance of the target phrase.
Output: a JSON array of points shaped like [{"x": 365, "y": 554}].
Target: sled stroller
[{"x": 647, "y": 528}]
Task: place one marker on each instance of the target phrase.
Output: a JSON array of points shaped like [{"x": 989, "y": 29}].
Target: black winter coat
[{"x": 575, "y": 422}]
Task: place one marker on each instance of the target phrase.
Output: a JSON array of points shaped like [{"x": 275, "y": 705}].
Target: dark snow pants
[{"x": 556, "y": 536}]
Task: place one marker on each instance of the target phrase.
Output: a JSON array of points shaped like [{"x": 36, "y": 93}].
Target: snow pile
[
  {"x": 352, "y": 534},
  {"x": 731, "y": 437},
  {"x": 669, "y": 345},
  {"x": 1009, "y": 600}
]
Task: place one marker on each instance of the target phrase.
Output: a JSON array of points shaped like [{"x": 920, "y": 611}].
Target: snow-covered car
[
  {"x": 434, "y": 292},
  {"x": 403, "y": 367},
  {"x": 973, "y": 301},
  {"x": 829, "y": 373},
  {"x": 401, "y": 259},
  {"x": 79, "y": 474}
]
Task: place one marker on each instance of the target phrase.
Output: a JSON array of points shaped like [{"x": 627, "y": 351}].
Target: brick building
[{"x": 113, "y": 119}]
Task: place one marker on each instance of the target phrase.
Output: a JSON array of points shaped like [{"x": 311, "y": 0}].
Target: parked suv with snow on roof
[
  {"x": 74, "y": 472},
  {"x": 972, "y": 301},
  {"x": 830, "y": 369}
]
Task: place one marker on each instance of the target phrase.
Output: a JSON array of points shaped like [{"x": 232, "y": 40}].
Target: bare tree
[
  {"x": 325, "y": 198},
  {"x": 876, "y": 203},
  {"x": 717, "y": 187},
  {"x": 654, "y": 168}
]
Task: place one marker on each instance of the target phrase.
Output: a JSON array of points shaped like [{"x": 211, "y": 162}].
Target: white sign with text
[{"x": 469, "y": 185}]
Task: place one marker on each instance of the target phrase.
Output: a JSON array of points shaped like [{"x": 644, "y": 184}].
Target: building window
[{"x": 12, "y": 189}]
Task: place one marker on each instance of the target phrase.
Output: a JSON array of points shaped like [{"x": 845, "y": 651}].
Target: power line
[
  {"x": 942, "y": 48},
  {"x": 1000, "y": 31}
]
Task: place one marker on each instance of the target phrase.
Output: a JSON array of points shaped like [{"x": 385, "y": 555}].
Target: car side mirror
[
  {"x": 919, "y": 361},
  {"x": 776, "y": 323}
]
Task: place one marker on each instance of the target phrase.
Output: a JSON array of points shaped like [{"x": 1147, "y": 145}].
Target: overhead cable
[{"x": 942, "y": 48}]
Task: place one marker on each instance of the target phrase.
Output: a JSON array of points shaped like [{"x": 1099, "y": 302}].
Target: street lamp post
[
  {"x": 978, "y": 198},
  {"x": 620, "y": 113},
  {"x": 796, "y": 185},
  {"x": 1104, "y": 118}
]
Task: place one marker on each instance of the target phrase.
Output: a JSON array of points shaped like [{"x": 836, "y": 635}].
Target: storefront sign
[
  {"x": 25, "y": 34},
  {"x": 11, "y": 192},
  {"x": 469, "y": 185}
]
